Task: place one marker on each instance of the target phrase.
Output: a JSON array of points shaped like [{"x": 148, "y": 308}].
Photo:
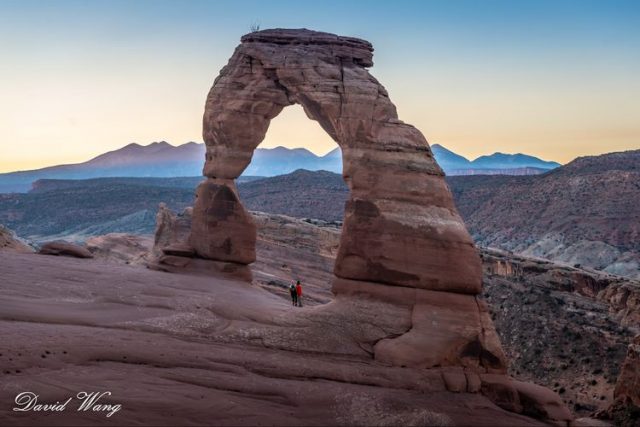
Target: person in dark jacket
[
  {"x": 294, "y": 294},
  {"x": 299, "y": 293}
]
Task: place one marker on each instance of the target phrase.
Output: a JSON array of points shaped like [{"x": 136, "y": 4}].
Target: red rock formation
[
  {"x": 178, "y": 349},
  {"x": 62, "y": 248},
  {"x": 401, "y": 226},
  {"x": 402, "y": 239},
  {"x": 408, "y": 273},
  {"x": 173, "y": 251},
  {"x": 120, "y": 248},
  {"x": 221, "y": 228},
  {"x": 9, "y": 242}
]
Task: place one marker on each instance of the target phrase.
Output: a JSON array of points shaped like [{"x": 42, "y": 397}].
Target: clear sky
[{"x": 556, "y": 79}]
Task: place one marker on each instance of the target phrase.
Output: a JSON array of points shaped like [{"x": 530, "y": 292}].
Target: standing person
[
  {"x": 299, "y": 293},
  {"x": 294, "y": 294}
]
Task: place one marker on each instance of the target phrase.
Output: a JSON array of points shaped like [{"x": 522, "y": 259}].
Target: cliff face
[
  {"x": 625, "y": 409},
  {"x": 586, "y": 212},
  {"x": 628, "y": 385},
  {"x": 565, "y": 327},
  {"x": 621, "y": 295}
]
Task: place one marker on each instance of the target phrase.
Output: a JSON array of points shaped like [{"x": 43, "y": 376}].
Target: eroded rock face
[
  {"x": 62, "y": 248},
  {"x": 10, "y": 242},
  {"x": 222, "y": 229},
  {"x": 172, "y": 231},
  {"x": 401, "y": 226},
  {"x": 120, "y": 248},
  {"x": 625, "y": 409},
  {"x": 628, "y": 385}
]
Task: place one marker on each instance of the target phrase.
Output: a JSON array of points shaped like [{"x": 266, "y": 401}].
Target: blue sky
[{"x": 555, "y": 79}]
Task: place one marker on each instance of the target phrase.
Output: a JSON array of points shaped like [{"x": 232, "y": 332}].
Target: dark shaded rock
[{"x": 62, "y": 248}]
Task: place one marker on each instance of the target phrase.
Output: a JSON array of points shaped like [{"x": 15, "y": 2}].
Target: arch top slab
[{"x": 401, "y": 226}]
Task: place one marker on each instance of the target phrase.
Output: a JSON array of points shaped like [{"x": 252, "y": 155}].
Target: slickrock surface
[
  {"x": 290, "y": 249},
  {"x": 445, "y": 328},
  {"x": 554, "y": 332},
  {"x": 187, "y": 350},
  {"x": 121, "y": 247},
  {"x": 559, "y": 326}
]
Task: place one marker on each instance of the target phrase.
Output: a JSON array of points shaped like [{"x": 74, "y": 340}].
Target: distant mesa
[{"x": 161, "y": 159}]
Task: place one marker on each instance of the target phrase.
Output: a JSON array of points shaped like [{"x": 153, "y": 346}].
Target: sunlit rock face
[{"x": 401, "y": 226}]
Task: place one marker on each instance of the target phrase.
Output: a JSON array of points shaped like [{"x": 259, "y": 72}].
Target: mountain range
[
  {"x": 586, "y": 212},
  {"x": 161, "y": 159},
  {"x": 494, "y": 164}
]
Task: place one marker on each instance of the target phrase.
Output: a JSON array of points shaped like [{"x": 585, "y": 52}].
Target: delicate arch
[{"x": 401, "y": 226}]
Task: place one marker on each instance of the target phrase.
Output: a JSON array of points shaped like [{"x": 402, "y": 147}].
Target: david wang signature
[{"x": 28, "y": 401}]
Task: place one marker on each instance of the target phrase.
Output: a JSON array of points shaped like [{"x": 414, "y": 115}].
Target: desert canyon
[{"x": 194, "y": 326}]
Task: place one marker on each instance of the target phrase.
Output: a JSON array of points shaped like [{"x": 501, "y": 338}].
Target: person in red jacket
[{"x": 299, "y": 293}]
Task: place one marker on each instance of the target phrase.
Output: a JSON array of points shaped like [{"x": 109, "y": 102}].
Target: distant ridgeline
[
  {"x": 162, "y": 159},
  {"x": 586, "y": 212}
]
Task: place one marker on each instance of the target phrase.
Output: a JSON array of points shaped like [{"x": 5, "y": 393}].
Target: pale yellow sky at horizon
[
  {"x": 52, "y": 139},
  {"x": 555, "y": 80},
  {"x": 74, "y": 114}
]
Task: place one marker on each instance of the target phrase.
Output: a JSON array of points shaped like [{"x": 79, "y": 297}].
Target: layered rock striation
[
  {"x": 407, "y": 274},
  {"x": 401, "y": 226},
  {"x": 402, "y": 238}
]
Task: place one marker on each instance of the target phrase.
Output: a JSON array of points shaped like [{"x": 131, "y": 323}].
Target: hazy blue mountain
[
  {"x": 448, "y": 160},
  {"x": 332, "y": 161},
  {"x": 161, "y": 159},
  {"x": 496, "y": 162},
  {"x": 281, "y": 160},
  {"x": 511, "y": 161}
]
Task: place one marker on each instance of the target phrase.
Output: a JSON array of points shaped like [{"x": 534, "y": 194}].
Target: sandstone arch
[
  {"x": 401, "y": 227},
  {"x": 407, "y": 275}
]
